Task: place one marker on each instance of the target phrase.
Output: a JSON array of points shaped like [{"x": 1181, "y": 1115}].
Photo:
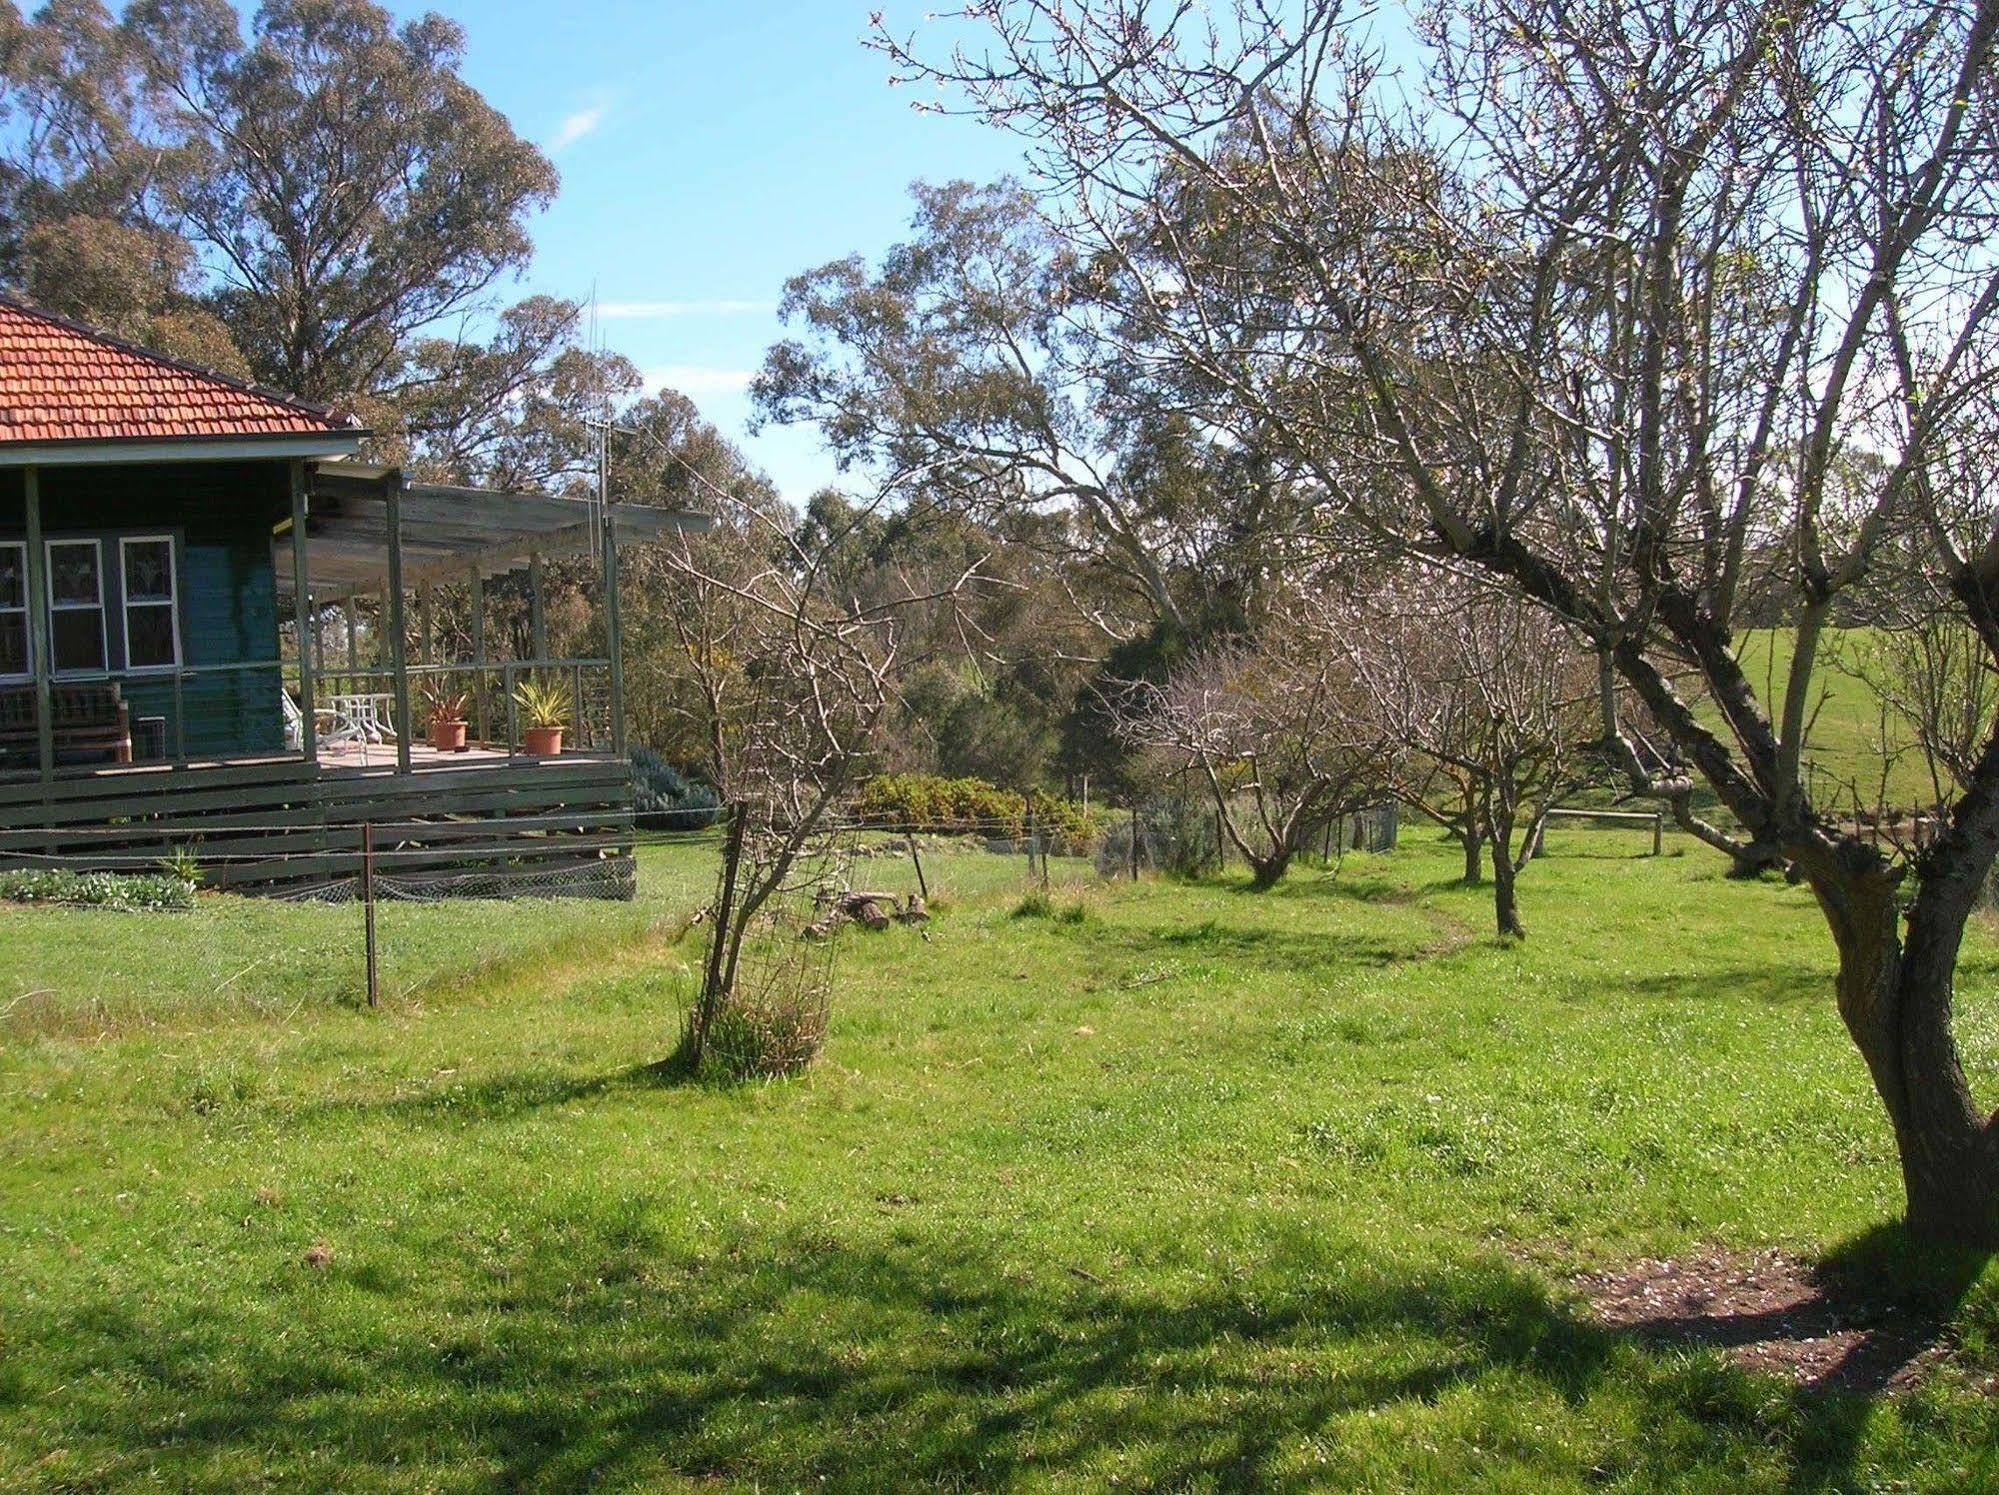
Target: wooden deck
[
  {"x": 424, "y": 758},
  {"x": 478, "y": 819}
]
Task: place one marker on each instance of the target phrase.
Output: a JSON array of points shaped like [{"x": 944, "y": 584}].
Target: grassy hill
[
  {"x": 1176, "y": 1187},
  {"x": 1849, "y": 741}
]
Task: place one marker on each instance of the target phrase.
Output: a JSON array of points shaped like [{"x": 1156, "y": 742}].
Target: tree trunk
[
  {"x": 1265, "y": 871},
  {"x": 1531, "y": 844},
  {"x": 1500, "y": 821},
  {"x": 1895, "y": 999},
  {"x": 1506, "y": 907},
  {"x": 1474, "y": 845},
  {"x": 1753, "y": 858}
]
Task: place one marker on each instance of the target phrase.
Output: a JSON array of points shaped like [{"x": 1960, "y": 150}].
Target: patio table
[{"x": 370, "y": 712}]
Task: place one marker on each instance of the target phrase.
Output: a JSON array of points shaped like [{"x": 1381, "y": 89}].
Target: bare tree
[
  {"x": 1283, "y": 729},
  {"x": 1497, "y": 707},
  {"x": 797, "y": 683},
  {"x": 1604, "y": 302}
]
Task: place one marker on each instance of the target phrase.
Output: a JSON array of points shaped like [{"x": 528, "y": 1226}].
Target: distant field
[
  {"x": 1164, "y": 1186},
  {"x": 1848, "y": 734}
]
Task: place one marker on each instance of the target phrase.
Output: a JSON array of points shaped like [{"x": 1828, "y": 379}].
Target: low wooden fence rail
[{"x": 1650, "y": 818}]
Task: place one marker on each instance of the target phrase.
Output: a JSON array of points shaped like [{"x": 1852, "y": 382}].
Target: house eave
[{"x": 180, "y": 449}]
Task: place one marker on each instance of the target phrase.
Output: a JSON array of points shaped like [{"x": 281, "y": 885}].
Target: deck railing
[
  {"x": 248, "y": 711},
  {"x": 493, "y": 713},
  {"x": 193, "y": 713}
]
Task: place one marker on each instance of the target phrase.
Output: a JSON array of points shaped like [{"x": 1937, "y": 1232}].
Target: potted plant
[
  {"x": 447, "y": 718},
  {"x": 544, "y": 713}
]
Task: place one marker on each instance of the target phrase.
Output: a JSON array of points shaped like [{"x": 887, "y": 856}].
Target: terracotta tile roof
[{"x": 60, "y": 381}]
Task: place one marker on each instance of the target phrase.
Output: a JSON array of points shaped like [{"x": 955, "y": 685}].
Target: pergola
[{"x": 361, "y": 529}]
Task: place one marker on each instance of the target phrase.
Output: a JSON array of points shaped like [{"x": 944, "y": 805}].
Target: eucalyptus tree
[
  {"x": 84, "y": 164},
  {"x": 1597, "y": 299},
  {"x": 980, "y": 367},
  {"x": 346, "y": 186}
]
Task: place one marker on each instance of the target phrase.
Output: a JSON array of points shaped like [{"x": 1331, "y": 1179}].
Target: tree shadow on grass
[
  {"x": 1349, "y": 883},
  {"x": 597, "y": 1352},
  {"x": 1283, "y": 949},
  {"x": 506, "y": 1097},
  {"x": 1776, "y": 983}
]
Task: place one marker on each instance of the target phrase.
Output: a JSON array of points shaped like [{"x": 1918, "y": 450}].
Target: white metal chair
[{"x": 329, "y": 725}]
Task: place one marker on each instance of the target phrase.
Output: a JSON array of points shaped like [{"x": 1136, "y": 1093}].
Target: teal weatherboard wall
[{"x": 220, "y": 516}]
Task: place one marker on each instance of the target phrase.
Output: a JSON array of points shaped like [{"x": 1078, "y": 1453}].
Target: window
[
  {"x": 76, "y": 607},
  {"x": 152, "y": 634},
  {"x": 13, "y": 611}
]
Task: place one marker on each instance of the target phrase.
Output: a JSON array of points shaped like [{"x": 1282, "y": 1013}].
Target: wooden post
[
  {"x": 613, "y": 636},
  {"x": 537, "y": 625},
  {"x": 922, "y": 883},
  {"x": 478, "y": 584},
  {"x": 368, "y": 908},
  {"x": 40, "y": 647},
  {"x": 398, "y": 663},
  {"x": 719, "y": 934},
  {"x": 1134, "y": 840},
  {"x": 507, "y": 677},
  {"x": 1658, "y": 835},
  {"x": 302, "y": 616}
]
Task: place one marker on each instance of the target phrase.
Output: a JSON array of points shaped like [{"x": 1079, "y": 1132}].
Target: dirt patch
[{"x": 1772, "y": 1312}]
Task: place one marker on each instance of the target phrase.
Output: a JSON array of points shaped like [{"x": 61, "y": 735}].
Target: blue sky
[{"x": 707, "y": 152}]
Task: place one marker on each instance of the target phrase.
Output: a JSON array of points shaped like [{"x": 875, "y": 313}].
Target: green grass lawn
[{"x": 1180, "y": 1187}]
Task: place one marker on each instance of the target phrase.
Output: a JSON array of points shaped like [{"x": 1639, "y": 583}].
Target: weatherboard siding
[{"x": 220, "y": 516}]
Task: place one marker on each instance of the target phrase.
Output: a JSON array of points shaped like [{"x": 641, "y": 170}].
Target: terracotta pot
[
  {"x": 542, "y": 742},
  {"x": 448, "y": 737}
]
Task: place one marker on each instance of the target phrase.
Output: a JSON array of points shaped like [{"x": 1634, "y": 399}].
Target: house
[{"x": 176, "y": 548}]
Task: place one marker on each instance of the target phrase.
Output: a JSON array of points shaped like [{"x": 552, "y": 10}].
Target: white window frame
[
  {"x": 25, "y": 610},
  {"x": 49, "y": 548},
  {"x": 171, "y": 602}
]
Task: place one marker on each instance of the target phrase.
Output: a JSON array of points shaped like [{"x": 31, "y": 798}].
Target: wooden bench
[{"x": 90, "y": 719}]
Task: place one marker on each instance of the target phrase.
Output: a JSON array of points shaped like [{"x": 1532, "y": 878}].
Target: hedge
[{"x": 927, "y": 804}]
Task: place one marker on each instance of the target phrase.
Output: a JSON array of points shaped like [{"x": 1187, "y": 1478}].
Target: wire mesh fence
[{"x": 89, "y": 970}]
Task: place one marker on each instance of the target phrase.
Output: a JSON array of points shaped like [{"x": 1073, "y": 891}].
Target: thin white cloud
[
  {"x": 575, "y": 126},
  {"x": 636, "y": 311},
  {"x": 698, "y": 379}
]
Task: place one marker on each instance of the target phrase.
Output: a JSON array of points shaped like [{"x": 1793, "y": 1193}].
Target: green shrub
[
  {"x": 929, "y": 805},
  {"x": 665, "y": 799},
  {"x": 151, "y": 892}
]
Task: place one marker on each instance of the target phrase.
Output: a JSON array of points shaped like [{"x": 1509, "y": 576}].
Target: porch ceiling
[{"x": 446, "y": 532}]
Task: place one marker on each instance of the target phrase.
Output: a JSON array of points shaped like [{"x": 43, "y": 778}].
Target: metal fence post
[{"x": 368, "y": 908}]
